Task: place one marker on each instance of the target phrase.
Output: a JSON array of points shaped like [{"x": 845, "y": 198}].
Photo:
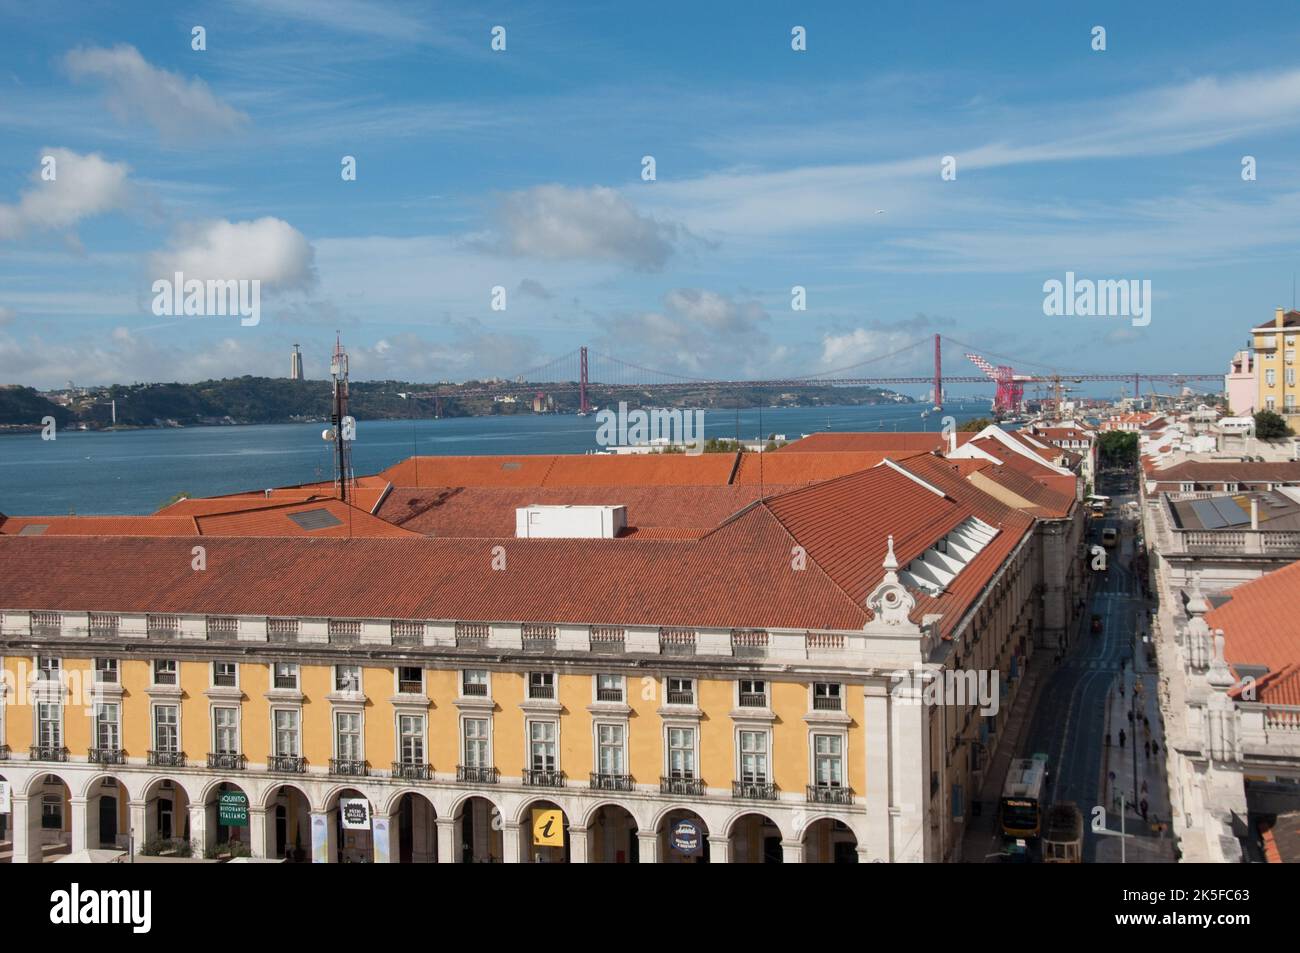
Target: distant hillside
[{"x": 265, "y": 400}]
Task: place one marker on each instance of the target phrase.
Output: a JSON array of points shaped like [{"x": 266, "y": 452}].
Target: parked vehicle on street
[
  {"x": 1109, "y": 536},
  {"x": 1063, "y": 837}
]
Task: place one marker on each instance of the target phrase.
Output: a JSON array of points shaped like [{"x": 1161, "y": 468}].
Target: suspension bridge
[{"x": 583, "y": 369}]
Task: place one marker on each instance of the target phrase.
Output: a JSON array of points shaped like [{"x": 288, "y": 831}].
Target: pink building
[{"x": 1241, "y": 384}]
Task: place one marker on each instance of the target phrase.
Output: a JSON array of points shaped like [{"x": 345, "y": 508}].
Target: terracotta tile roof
[
  {"x": 296, "y": 519},
  {"x": 1192, "y": 471},
  {"x": 365, "y": 496},
  {"x": 878, "y": 442},
  {"x": 1281, "y": 838},
  {"x": 1046, "y": 501},
  {"x": 647, "y": 469},
  {"x": 1261, "y": 627},
  {"x": 795, "y": 469},
  {"x": 740, "y": 573},
  {"x": 1290, "y": 319},
  {"x": 490, "y": 511},
  {"x": 100, "y": 525}
]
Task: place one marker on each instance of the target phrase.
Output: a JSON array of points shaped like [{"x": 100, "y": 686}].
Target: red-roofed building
[{"x": 1232, "y": 705}]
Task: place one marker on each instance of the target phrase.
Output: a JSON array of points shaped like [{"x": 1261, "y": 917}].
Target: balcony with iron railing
[
  {"x": 476, "y": 774},
  {"x": 106, "y": 756},
  {"x": 412, "y": 771},
  {"x": 609, "y": 695},
  {"x": 682, "y": 787},
  {"x": 541, "y": 690},
  {"x": 474, "y": 690},
  {"x": 286, "y": 763},
  {"x": 827, "y": 794},
  {"x": 604, "y": 781},
  {"x": 4, "y": 752},
  {"x": 828, "y": 703},
  {"x": 349, "y": 767},
  {"x": 754, "y": 790},
  {"x": 543, "y": 778},
  {"x": 166, "y": 759},
  {"x": 48, "y": 753},
  {"x": 753, "y": 699},
  {"x": 227, "y": 761},
  {"x": 681, "y": 696}
]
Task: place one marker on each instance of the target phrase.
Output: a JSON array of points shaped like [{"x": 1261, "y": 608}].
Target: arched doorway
[
  {"x": 166, "y": 819},
  {"x": 479, "y": 836},
  {"x": 828, "y": 841},
  {"x": 288, "y": 825},
  {"x": 108, "y": 824},
  {"x": 417, "y": 830},
  {"x": 354, "y": 837},
  {"x": 49, "y": 817},
  {"x": 755, "y": 839},
  {"x": 227, "y": 828},
  {"x": 683, "y": 838},
  {"x": 611, "y": 836},
  {"x": 543, "y": 834}
]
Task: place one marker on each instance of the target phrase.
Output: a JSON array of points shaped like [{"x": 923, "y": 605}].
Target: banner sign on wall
[{"x": 355, "y": 812}]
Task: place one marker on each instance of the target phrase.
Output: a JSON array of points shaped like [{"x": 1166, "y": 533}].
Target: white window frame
[
  {"x": 812, "y": 697},
  {"x": 153, "y": 724},
  {"x": 595, "y": 688},
  {"x": 622, "y": 726},
  {"x": 360, "y": 678},
  {"x": 741, "y": 731},
  {"x": 296, "y": 711},
  {"x": 843, "y": 737},
  {"x": 528, "y": 685},
  {"x": 694, "y": 730},
  {"x": 176, "y": 673},
  {"x": 37, "y": 722},
  {"x": 297, "y": 676},
  {"x": 461, "y": 683},
  {"x": 397, "y": 679},
  {"x": 528, "y": 741},
  {"x": 398, "y": 715},
  {"x": 464, "y": 738},
  {"x": 114, "y": 666},
  {"x": 97, "y": 712},
  {"x": 239, "y": 728},
  {"x": 695, "y": 690},
  {"x": 212, "y": 673},
  {"x": 359, "y": 713},
  {"x": 766, "y": 693}
]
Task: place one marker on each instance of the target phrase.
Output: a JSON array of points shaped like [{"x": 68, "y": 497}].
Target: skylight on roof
[
  {"x": 939, "y": 565},
  {"x": 315, "y": 519}
]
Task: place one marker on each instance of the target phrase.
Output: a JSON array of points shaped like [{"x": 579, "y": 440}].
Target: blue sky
[{"x": 522, "y": 169}]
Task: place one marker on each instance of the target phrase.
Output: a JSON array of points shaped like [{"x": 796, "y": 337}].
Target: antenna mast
[{"x": 342, "y": 427}]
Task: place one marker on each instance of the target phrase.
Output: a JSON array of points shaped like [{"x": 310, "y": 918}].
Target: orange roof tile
[
  {"x": 794, "y": 469},
  {"x": 99, "y": 525},
  {"x": 346, "y": 521},
  {"x": 1261, "y": 627},
  {"x": 878, "y": 442}
]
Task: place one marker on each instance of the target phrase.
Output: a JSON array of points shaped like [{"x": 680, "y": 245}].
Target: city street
[{"x": 1088, "y": 695}]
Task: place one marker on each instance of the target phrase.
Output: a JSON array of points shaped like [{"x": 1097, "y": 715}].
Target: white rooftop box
[{"x": 569, "y": 522}]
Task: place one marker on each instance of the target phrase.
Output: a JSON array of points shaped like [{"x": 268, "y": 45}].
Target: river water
[{"x": 136, "y": 471}]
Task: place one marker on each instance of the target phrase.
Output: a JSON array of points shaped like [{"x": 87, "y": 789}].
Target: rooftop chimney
[
  {"x": 1254, "y": 513},
  {"x": 1277, "y": 319}
]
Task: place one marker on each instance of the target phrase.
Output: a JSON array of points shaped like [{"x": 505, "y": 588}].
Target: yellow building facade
[{"x": 1275, "y": 349}]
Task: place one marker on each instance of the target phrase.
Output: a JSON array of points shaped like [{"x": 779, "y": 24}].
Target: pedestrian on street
[
  {"x": 1130, "y": 716},
  {"x": 1142, "y": 806},
  {"x": 1121, "y": 689},
  {"x": 1144, "y": 787},
  {"x": 1155, "y": 747},
  {"x": 1122, "y": 737},
  {"x": 1108, "y": 739},
  {"x": 1147, "y": 746},
  {"x": 1145, "y": 723}
]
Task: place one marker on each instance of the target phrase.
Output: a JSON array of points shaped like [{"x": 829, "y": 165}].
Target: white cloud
[
  {"x": 698, "y": 333},
  {"x": 269, "y": 249},
  {"x": 83, "y": 186},
  {"x": 556, "y": 222},
  {"x": 181, "y": 110}
]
